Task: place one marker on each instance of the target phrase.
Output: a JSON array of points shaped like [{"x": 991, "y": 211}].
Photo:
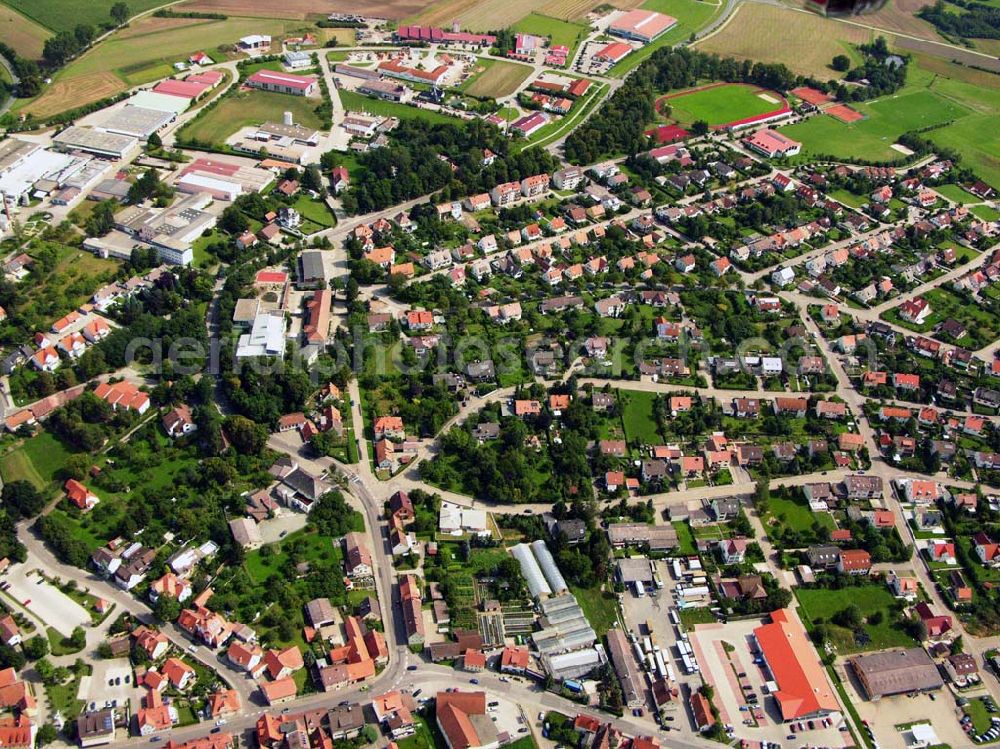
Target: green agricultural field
[
  {"x": 885, "y": 120},
  {"x": 720, "y": 104},
  {"x": 691, "y": 15},
  {"x": 495, "y": 79},
  {"x": 358, "y": 103},
  {"x": 561, "y": 32},
  {"x": 250, "y": 108},
  {"x": 821, "y": 604},
  {"x": 64, "y": 15},
  {"x": 149, "y": 44}
]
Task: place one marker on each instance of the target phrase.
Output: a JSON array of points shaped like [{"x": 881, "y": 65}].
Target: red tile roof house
[
  {"x": 854, "y": 562},
  {"x": 276, "y": 692},
  {"x": 178, "y": 673},
  {"x": 224, "y": 702},
  {"x": 458, "y": 717},
  {"x": 282, "y": 663},
  {"x": 936, "y": 624},
  {"x": 986, "y": 549},
  {"x": 389, "y": 427},
  {"x": 80, "y": 495},
  {"x": 10, "y": 633},
  {"x": 514, "y": 660}
]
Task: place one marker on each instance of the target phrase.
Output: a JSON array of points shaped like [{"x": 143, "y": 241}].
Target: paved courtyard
[{"x": 111, "y": 681}]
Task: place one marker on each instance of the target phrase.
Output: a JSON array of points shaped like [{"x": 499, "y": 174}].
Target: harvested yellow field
[
  {"x": 152, "y": 24},
  {"x": 478, "y": 15},
  {"x": 574, "y": 10},
  {"x": 442, "y": 13},
  {"x": 303, "y": 9},
  {"x": 497, "y": 80},
  {"x": 900, "y": 15},
  {"x": 21, "y": 33},
  {"x": 803, "y": 41},
  {"x": 67, "y": 93}
]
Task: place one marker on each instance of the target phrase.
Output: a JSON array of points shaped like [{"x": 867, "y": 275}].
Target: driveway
[{"x": 45, "y": 601}]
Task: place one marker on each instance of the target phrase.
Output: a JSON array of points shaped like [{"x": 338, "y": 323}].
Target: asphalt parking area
[{"x": 46, "y": 601}]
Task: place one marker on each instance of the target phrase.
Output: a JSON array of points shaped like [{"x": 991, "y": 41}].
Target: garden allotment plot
[{"x": 722, "y": 104}]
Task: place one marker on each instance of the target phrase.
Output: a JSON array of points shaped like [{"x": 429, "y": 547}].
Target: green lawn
[
  {"x": 38, "y": 460},
  {"x": 720, "y": 104},
  {"x": 60, "y": 645},
  {"x": 698, "y": 615},
  {"x": 798, "y": 516},
  {"x": 600, "y": 607},
  {"x": 983, "y": 326},
  {"x": 848, "y": 198},
  {"x": 427, "y": 736},
  {"x": 985, "y": 212},
  {"x": 637, "y": 414},
  {"x": 979, "y": 714},
  {"x": 261, "y": 566},
  {"x": 315, "y": 211},
  {"x": 822, "y": 604},
  {"x": 250, "y": 108},
  {"x": 64, "y": 15},
  {"x": 355, "y": 102},
  {"x": 885, "y": 120},
  {"x": 957, "y": 193},
  {"x": 691, "y": 15},
  {"x": 685, "y": 539}
]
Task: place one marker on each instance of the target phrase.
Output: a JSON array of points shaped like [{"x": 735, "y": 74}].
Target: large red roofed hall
[
  {"x": 771, "y": 143},
  {"x": 803, "y": 688},
  {"x": 283, "y": 83}
]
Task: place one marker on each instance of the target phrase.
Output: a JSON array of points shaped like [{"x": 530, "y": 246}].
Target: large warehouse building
[
  {"x": 803, "y": 688},
  {"x": 642, "y": 25},
  {"x": 896, "y": 672},
  {"x": 108, "y": 145}
]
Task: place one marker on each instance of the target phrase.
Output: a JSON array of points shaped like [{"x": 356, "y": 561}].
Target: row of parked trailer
[{"x": 651, "y": 658}]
